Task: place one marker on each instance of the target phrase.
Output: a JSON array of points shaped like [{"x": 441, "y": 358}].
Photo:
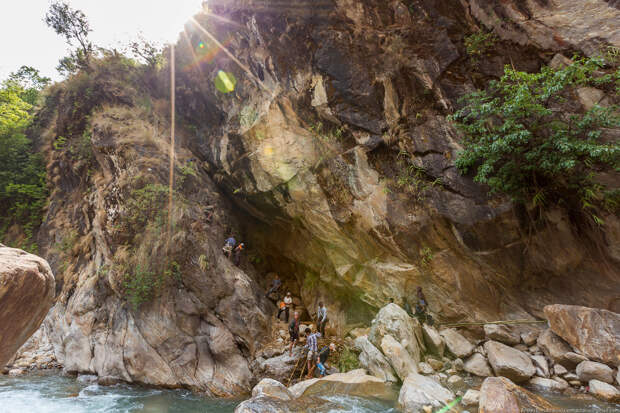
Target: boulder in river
[
  {"x": 271, "y": 388},
  {"x": 477, "y": 364},
  {"x": 352, "y": 383},
  {"x": 501, "y": 333},
  {"x": 509, "y": 362},
  {"x": 604, "y": 391},
  {"x": 419, "y": 391},
  {"x": 500, "y": 395},
  {"x": 456, "y": 344},
  {"x": 593, "y": 331},
  {"x": 556, "y": 349},
  {"x": 399, "y": 357},
  {"x": 394, "y": 321},
  {"x": 591, "y": 370},
  {"x": 26, "y": 295},
  {"x": 548, "y": 384},
  {"x": 374, "y": 361}
]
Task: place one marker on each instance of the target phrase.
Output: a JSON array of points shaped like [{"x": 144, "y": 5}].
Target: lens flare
[
  {"x": 225, "y": 81},
  {"x": 201, "y": 45}
]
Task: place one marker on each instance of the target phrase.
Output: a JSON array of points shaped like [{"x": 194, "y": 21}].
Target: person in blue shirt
[
  {"x": 275, "y": 286},
  {"x": 229, "y": 244}
]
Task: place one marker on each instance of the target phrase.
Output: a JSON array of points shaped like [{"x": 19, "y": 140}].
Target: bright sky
[{"x": 26, "y": 40}]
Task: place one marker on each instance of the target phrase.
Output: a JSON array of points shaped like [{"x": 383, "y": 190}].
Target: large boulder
[
  {"x": 604, "y": 391},
  {"x": 354, "y": 383},
  {"x": 456, "y": 344},
  {"x": 556, "y": 349},
  {"x": 374, "y": 361},
  {"x": 433, "y": 340},
  {"x": 271, "y": 388},
  {"x": 591, "y": 370},
  {"x": 509, "y": 362},
  {"x": 548, "y": 384},
  {"x": 419, "y": 391},
  {"x": 541, "y": 365},
  {"x": 471, "y": 398},
  {"x": 264, "y": 404},
  {"x": 477, "y": 365},
  {"x": 394, "y": 321},
  {"x": 26, "y": 294},
  {"x": 501, "y": 333},
  {"x": 594, "y": 332},
  {"x": 500, "y": 395},
  {"x": 279, "y": 367},
  {"x": 400, "y": 359}
]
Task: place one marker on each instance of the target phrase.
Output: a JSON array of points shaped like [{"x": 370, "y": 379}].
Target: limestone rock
[
  {"x": 509, "y": 362},
  {"x": 555, "y": 348},
  {"x": 501, "y": 333},
  {"x": 591, "y": 370},
  {"x": 477, "y": 364},
  {"x": 499, "y": 394},
  {"x": 594, "y": 332},
  {"x": 456, "y": 344},
  {"x": 354, "y": 382},
  {"x": 540, "y": 362},
  {"x": 604, "y": 391},
  {"x": 399, "y": 357},
  {"x": 374, "y": 361},
  {"x": 471, "y": 398},
  {"x": 458, "y": 365},
  {"x": 394, "y": 321},
  {"x": 434, "y": 342},
  {"x": 574, "y": 358},
  {"x": 419, "y": 391},
  {"x": 26, "y": 294},
  {"x": 271, "y": 388},
  {"x": 16, "y": 372},
  {"x": 548, "y": 384}
]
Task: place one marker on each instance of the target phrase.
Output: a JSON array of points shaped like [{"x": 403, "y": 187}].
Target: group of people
[
  {"x": 233, "y": 250},
  {"x": 314, "y": 357}
]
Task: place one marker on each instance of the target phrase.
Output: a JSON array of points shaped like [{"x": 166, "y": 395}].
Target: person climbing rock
[
  {"x": 321, "y": 359},
  {"x": 312, "y": 346},
  {"x": 237, "y": 253},
  {"x": 229, "y": 244},
  {"x": 421, "y": 308},
  {"x": 275, "y": 286},
  {"x": 321, "y": 318},
  {"x": 288, "y": 303},
  {"x": 293, "y": 331},
  {"x": 281, "y": 310}
]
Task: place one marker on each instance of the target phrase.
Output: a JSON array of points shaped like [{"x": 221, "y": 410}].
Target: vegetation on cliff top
[{"x": 526, "y": 137}]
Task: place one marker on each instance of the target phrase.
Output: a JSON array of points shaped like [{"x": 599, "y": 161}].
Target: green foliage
[
  {"x": 185, "y": 171},
  {"x": 412, "y": 178},
  {"x": 521, "y": 141},
  {"x": 327, "y": 134},
  {"x": 247, "y": 116},
  {"x": 143, "y": 205},
  {"x": 150, "y": 53},
  {"x": 348, "y": 360},
  {"x": 203, "y": 262},
  {"x": 59, "y": 143},
  {"x": 22, "y": 173},
  {"x": 28, "y": 82},
  {"x": 141, "y": 284},
  {"x": 426, "y": 255},
  {"x": 479, "y": 43}
]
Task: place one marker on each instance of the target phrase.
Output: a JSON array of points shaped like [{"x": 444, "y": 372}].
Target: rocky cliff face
[{"x": 332, "y": 159}]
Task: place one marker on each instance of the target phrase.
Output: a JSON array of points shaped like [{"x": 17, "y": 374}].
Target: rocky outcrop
[
  {"x": 392, "y": 320},
  {"x": 419, "y": 391},
  {"x": 26, "y": 294},
  {"x": 594, "y": 332},
  {"x": 374, "y": 361},
  {"x": 499, "y": 394},
  {"x": 456, "y": 344},
  {"x": 509, "y": 362}
]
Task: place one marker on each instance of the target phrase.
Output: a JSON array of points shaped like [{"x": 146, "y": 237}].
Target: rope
[{"x": 492, "y": 322}]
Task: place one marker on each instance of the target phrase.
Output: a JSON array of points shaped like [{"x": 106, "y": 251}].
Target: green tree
[
  {"x": 31, "y": 83},
  {"x": 524, "y": 136},
  {"x": 73, "y": 25}
]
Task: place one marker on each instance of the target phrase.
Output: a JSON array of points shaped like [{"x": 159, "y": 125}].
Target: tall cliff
[{"x": 332, "y": 159}]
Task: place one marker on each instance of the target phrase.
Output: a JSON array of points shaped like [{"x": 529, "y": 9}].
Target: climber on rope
[
  {"x": 321, "y": 318},
  {"x": 237, "y": 253},
  {"x": 312, "y": 347},
  {"x": 229, "y": 244},
  {"x": 275, "y": 286},
  {"x": 293, "y": 331},
  {"x": 321, "y": 359}
]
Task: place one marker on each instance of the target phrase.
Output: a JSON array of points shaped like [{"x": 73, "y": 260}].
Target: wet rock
[
  {"x": 477, "y": 364},
  {"x": 542, "y": 367},
  {"x": 456, "y": 344},
  {"x": 499, "y": 394},
  {"x": 434, "y": 342},
  {"x": 271, "y": 388},
  {"x": 594, "y": 332},
  {"x": 394, "y": 321},
  {"x": 419, "y": 391},
  {"x": 16, "y": 372},
  {"x": 591, "y": 370},
  {"x": 26, "y": 294},
  {"x": 271, "y": 405},
  {"x": 555, "y": 349},
  {"x": 108, "y": 380},
  {"x": 87, "y": 378},
  {"x": 547, "y": 384},
  {"x": 501, "y": 333},
  {"x": 508, "y": 362},
  {"x": 374, "y": 361},
  {"x": 529, "y": 337},
  {"x": 354, "y": 382},
  {"x": 604, "y": 391},
  {"x": 399, "y": 357},
  {"x": 471, "y": 398}
]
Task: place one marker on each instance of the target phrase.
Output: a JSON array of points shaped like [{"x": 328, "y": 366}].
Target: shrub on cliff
[{"x": 525, "y": 137}]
